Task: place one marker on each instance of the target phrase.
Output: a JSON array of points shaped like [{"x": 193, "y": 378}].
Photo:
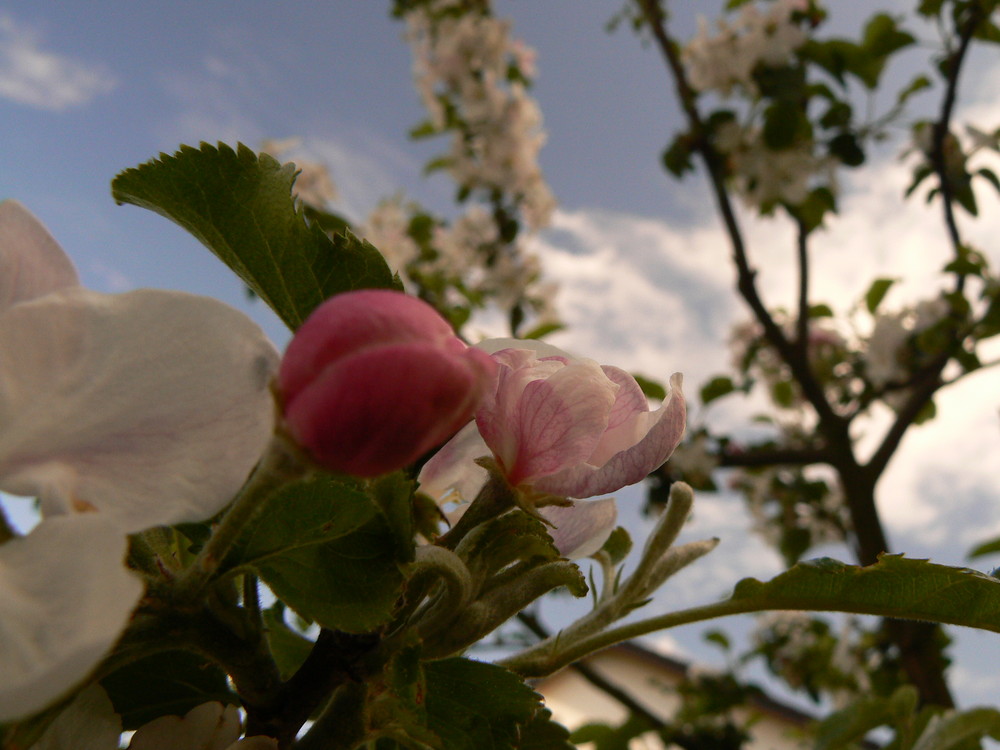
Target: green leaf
[
  {"x": 677, "y": 156},
  {"x": 784, "y": 123},
  {"x": 985, "y": 548},
  {"x": 876, "y": 293},
  {"x": 955, "y": 730},
  {"x": 327, "y": 551},
  {"x": 542, "y": 733},
  {"x": 882, "y": 36},
  {"x": 820, "y": 310},
  {"x": 168, "y": 683},
  {"x": 651, "y": 388},
  {"x": 868, "y": 712},
  {"x": 289, "y": 647},
  {"x": 618, "y": 545},
  {"x": 393, "y": 494},
  {"x": 241, "y": 208},
  {"x": 472, "y": 705},
  {"x": 847, "y": 149},
  {"x": 715, "y": 388},
  {"x": 894, "y": 587}
]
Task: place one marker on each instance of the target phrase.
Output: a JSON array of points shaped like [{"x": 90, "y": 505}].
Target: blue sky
[{"x": 90, "y": 88}]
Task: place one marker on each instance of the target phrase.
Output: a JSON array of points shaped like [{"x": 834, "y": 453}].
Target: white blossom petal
[
  {"x": 88, "y": 723},
  {"x": 65, "y": 597},
  {"x": 451, "y": 474},
  {"x": 582, "y": 528},
  {"x": 151, "y": 406},
  {"x": 31, "y": 261},
  {"x": 210, "y": 726}
]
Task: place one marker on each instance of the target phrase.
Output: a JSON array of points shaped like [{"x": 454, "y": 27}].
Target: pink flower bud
[
  {"x": 375, "y": 378},
  {"x": 571, "y": 427}
]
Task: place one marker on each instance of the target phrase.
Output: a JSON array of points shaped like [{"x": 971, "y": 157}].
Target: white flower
[
  {"x": 90, "y": 723},
  {"x": 150, "y": 408}
]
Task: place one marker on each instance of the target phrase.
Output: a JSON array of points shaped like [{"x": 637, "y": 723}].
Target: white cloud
[{"x": 31, "y": 75}]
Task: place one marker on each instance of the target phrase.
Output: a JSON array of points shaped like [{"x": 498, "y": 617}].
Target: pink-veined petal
[
  {"x": 629, "y": 421},
  {"x": 582, "y": 528},
  {"x": 65, "y": 597},
  {"x": 210, "y": 726},
  {"x": 88, "y": 723},
  {"x": 559, "y": 421},
  {"x": 631, "y": 465},
  {"x": 451, "y": 474},
  {"x": 31, "y": 262},
  {"x": 151, "y": 407}
]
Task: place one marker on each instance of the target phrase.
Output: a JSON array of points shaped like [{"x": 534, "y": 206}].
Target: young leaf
[
  {"x": 288, "y": 647},
  {"x": 876, "y": 293},
  {"x": 957, "y": 730},
  {"x": 715, "y": 388},
  {"x": 894, "y": 587},
  {"x": 473, "y": 705},
  {"x": 327, "y": 551},
  {"x": 241, "y": 208},
  {"x": 862, "y": 715},
  {"x": 171, "y": 682}
]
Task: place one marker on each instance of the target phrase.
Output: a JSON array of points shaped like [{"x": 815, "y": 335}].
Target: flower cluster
[
  {"x": 892, "y": 353},
  {"x": 90, "y": 722},
  {"x": 727, "y": 59},
  {"x": 764, "y": 176},
  {"x": 463, "y": 67}
]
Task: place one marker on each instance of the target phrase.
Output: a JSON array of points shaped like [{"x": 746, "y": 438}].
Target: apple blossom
[
  {"x": 561, "y": 426},
  {"x": 149, "y": 408},
  {"x": 65, "y": 596},
  {"x": 375, "y": 378},
  {"x": 570, "y": 427},
  {"x": 89, "y": 722}
]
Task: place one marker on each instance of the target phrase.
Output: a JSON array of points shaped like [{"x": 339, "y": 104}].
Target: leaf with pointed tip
[
  {"x": 867, "y": 712},
  {"x": 240, "y": 207},
  {"x": 894, "y": 587},
  {"x": 954, "y": 730},
  {"x": 327, "y": 551},
  {"x": 171, "y": 682},
  {"x": 473, "y": 705}
]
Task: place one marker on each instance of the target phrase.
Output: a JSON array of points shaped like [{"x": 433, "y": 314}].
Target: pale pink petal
[
  {"x": 451, "y": 474},
  {"x": 210, "y": 726},
  {"x": 65, "y": 597},
  {"x": 629, "y": 421},
  {"x": 88, "y": 723},
  {"x": 150, "y": 406},
  {"x": 559, "y": 421},
  {"x": 31, "y": 261},
  {"x": 628, "y": 466},
  {"x": 498, "y": 411},
  {"x": 582, "y": 528}
]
